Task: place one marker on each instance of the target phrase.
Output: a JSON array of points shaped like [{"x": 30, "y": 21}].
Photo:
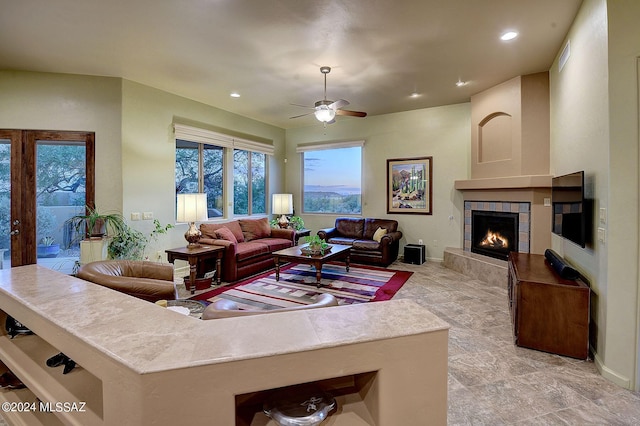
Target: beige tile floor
[{"x": 494, "y": 382}]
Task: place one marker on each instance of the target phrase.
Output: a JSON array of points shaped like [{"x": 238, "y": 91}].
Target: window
[
  {"x": 332, "y": 178},
  {"x": 201, "y": 167},
  {"x": 191, "y": 178},
  {"x": 249, "y": 189}
]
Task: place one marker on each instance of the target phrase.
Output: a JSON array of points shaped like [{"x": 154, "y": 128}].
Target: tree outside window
[
  {"x": 249, "y": 183},
  {"x": 188, "y": 173}
]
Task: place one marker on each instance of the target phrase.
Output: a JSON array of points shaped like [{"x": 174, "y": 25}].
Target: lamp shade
[
  {"x": 192, "y": 208},
  {"x": 282, "y": 204}
]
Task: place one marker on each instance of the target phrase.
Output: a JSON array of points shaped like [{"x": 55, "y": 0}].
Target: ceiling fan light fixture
[{"x": 324, "y": 114}]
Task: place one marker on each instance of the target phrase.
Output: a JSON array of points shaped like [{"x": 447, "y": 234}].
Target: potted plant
[
  {"x": 295, "y": 222},
  {"x": 95, "y": 224},
  {"x": 130, "y": 243},
  {"x": 315, "y": 246},
  {"x": 47, "y": 247}
]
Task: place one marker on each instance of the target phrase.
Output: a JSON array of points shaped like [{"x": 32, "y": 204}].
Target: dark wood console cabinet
[{"x": 548, "y": 313}]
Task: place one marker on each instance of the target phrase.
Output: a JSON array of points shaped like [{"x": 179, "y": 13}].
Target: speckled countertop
[{"x": 148, "y": 338}]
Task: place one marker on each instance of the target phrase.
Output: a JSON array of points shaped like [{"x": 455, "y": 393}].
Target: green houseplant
[
  {"x": 130, "y": 243},
  {"x": 315, "y": 245},
  {"x": 295, "y": 222},
  {"x": 95, "y": 224}
]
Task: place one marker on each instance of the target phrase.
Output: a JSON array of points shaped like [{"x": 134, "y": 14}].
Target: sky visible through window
[{"x": 333, "y": 170}]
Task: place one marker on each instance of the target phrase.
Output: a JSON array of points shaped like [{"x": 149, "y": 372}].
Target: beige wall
[
  {"x": 148, "y": 152},
  {"x": 442, "y": 133},
  {"x": 43, "y": 101},
  {"x": 135, "y": 149},
  {"x": 594, "y": 124}
]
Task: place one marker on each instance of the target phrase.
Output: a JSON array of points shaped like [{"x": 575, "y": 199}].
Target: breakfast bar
[{"x": 139, "y": 363}]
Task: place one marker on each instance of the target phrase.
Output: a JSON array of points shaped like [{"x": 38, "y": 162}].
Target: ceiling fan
[{"x": 326, "y": 110}]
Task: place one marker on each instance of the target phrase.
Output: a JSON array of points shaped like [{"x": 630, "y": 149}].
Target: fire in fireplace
[{"x": 494, "y": 234}]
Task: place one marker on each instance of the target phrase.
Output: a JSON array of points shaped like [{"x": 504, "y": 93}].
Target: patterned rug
[{"x": 297, "y": 286}]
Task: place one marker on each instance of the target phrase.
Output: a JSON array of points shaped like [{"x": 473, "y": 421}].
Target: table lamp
[
  {"x": 192, "y": 208},
  {"x": 282, "y": 204}
]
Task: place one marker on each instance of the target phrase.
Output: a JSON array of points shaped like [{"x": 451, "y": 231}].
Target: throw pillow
[
  {"x": 225, "y": 233},
  {"x": 254, "y": 229},
  {"x": 380, "y": 232}
]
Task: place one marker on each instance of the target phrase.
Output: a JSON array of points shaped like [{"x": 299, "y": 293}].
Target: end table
[
  {"x": 194, "y": 256},
  {"x": 301, "y": 233}
]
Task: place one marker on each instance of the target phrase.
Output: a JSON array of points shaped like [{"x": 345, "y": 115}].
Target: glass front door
[{"x": 45, "y": 178}]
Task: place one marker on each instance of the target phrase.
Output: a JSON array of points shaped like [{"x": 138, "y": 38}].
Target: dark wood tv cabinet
[{"x": 548, "y": 313}]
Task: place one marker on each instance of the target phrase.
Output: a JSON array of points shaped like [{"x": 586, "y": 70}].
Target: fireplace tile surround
[{"x": 524, "y": 219}]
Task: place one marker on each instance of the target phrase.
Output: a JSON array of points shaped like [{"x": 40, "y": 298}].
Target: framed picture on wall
[{"x": 409, "y": 185}]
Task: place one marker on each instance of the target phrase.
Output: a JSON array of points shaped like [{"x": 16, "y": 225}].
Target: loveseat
[
  {"x": 249, "y": 244},
  {"x": 372, "y": 240},
  {"x": 145, "y": 280}
]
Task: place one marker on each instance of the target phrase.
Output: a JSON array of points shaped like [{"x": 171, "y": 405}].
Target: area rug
[{"x": 297, "y": 286}]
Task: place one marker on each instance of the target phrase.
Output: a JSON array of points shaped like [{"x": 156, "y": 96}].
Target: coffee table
[{"x": 293, "y": 254}]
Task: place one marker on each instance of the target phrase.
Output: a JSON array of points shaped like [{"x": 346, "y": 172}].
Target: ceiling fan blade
[
  {"x": 301, "y": 115},
  {"x": 351, "y": 113},
  {"x": 339, "y": 104},
  {"x": 303, "y": 106}
]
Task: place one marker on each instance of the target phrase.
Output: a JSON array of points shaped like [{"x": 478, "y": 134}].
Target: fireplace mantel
[{"x": 509, "y": 182}]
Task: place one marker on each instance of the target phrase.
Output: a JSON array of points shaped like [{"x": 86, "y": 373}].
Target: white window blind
[
  {"x": 210, "y": 137},
  {"x": 328, "y": 145}
]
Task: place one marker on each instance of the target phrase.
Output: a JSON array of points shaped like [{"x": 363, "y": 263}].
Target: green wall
[
  {"x": 442, "y": 133},
  {"x": 594, "y": 127}
]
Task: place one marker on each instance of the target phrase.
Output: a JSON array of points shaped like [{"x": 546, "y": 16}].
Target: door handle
[
  {"x": 16, "y": 222},
  {"x": 14, "y": 232}
]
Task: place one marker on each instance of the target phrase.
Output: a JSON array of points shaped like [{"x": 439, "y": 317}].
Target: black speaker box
[
  {"x": 562, "y": 268},
  {"x": 414, "y": 253}
]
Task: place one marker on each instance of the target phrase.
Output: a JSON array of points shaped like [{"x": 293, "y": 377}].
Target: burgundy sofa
[
  {"x": 359, "y": 234},
  {"x": 249, "y": 244}
]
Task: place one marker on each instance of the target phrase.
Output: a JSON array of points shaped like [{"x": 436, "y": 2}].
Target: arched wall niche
[{"x": 495, "y": 137}]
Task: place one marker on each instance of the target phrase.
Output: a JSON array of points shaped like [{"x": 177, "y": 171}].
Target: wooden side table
[
  {"x": 301, "y": 233},
  {"x": 194, "y": 256}
]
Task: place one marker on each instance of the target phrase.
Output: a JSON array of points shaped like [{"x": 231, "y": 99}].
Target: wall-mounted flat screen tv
[{"x": 571, "y": 213}]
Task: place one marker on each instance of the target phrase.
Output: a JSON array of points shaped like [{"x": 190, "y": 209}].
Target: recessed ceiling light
[
  {"x": 509, "y": 35},
  {"x": 415, "y": 95},
  {"x": 461, "y": 83},
  {"x": 235, "y": 95}
]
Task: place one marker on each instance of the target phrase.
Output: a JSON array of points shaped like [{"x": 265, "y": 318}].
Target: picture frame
[{"x": 409, "y": 185}]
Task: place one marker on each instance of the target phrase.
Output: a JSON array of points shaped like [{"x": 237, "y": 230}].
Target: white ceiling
[{"x": 270, "y": 51}]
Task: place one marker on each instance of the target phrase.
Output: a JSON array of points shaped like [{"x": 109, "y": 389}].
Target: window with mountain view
[{"x": 332, "y": 180}]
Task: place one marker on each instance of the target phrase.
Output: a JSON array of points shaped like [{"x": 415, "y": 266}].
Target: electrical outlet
[
  {"x": 602, "y": 235},
  {"x": 159, "y": 256},
  {"x": 420, "y": 242}
]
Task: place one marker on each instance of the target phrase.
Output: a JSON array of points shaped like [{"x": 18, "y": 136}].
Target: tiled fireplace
[{"x": 493, "y": 228}]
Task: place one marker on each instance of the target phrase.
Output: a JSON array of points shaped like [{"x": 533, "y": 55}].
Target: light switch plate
[
  {"x": 603, "y": 215},
  {"x": 602, "y": 235},
  {"x": 147, "y": 215},
  {"x": 135, "y": 216}
]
